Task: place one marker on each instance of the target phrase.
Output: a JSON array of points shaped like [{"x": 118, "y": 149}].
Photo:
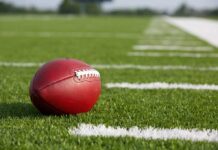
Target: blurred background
[{"x": 112, "y": 7}]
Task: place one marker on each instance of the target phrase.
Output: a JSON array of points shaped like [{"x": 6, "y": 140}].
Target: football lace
[{"x": 87, "y": 73}]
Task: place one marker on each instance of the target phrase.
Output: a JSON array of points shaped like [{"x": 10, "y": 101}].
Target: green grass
[{"x": 23, "y": 127}]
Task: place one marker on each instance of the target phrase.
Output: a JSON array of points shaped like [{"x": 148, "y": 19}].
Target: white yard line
[
  {"x": 173, "y": 54},
  {"x": 70, "y": 34},
  {"x": 172, "y": 48},
  {"x": 170, "y": 42},
  {"x": 163, "y": 31},
  {"x": 162, "y": 85},
  {"x": 169, "y": 37},
  {"x": 34, "y": 18},
  {"x": 159, "y": 26},
  {"x": 204, "y": 29},
  {"x": 20, "y": 64},
  {"x": 144, "y": 67},
  {"x": 116, "y": 66},
  {"x": 145, "y": 133}
]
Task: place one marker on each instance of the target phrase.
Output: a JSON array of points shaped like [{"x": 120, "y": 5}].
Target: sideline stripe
[
  {"x": 70, "y": 34},
  {"x": 162, "y": 85},
  {"x": 116, "y": 66},
  {"x": 145, "y": 133},
  {"x": 172, "y": 47},
  {"x": 204, "y": 29},
  {"x": 156, "y": 54}
]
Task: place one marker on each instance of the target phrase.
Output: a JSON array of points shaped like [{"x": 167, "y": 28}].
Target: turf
[{"x": 23, "y": 127}]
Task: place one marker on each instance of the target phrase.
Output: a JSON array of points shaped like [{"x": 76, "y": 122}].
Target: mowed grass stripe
[
  {"x": 173, "y": 54},
  {"x": 162, "y": 85},
  {"x": 145, "y": 133},
  {"x": 117, "y": 66}
]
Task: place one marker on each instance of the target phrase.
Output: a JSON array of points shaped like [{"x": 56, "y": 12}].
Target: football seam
[
  {"x": 39, "y": 91},
  {"x": 55, "y": 82},
  {"x": 72, "y": 76}
]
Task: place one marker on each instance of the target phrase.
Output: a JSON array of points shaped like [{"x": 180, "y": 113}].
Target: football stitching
[{"x": 87, "y": 73}]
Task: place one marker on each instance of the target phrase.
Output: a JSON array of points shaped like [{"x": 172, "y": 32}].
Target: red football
[{"x": 65, "y": 86}]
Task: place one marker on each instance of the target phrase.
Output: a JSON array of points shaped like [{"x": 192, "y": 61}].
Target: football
[{"x": 65, "y": 86}]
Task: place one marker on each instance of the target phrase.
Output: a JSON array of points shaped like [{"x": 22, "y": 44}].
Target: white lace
[{"x": 87, "y": 73}]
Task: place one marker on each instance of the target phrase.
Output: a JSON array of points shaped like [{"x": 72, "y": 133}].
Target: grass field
[{"x": 103, "y": 40}]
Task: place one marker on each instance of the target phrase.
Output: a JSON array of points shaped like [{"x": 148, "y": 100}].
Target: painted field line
[
  {"x": 204, "y": 29},
  {"x": 173, "y": 54},
  {"x": 20, "y": 64},
  {"x": 117, "y": 66},
  {"x": 148, "y": 133},
  {"x": 144, "y": 67},
  {"x": 162, "y": 85},
  {"x": 70, "y": 34},
  {"x": 34, "y": 17},
  {"x": 174, "y": 40},
  {"x": 168, "y": 37},
  {"x": 172, "y": 48},
  {"x": 170, "y": 42},
  {"x": 163, "y": 31}
]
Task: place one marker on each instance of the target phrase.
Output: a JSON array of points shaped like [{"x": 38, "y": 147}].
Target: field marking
[
  {"x": 169, "y": 37},
  {"x": 163, "y": 31},
  {"x": 20, "y": 64},
  {"x": 204, "y": 29},
  {"x": 174, "y": 54},
  {"x": 50, "y": 34},
  {"x": 170, "y": 42},
  {"x": 34, "y": 17},
  {"x": 162, "y": 85},
  {"x": 145, "y": 133},
  {"x": 144, "y": 67},
  {"x": 159, "y": 26},
  {"x": 116, "y": 66},
  {"x": 70, "y": 34},
  {"x": 172, "y": 48}
]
